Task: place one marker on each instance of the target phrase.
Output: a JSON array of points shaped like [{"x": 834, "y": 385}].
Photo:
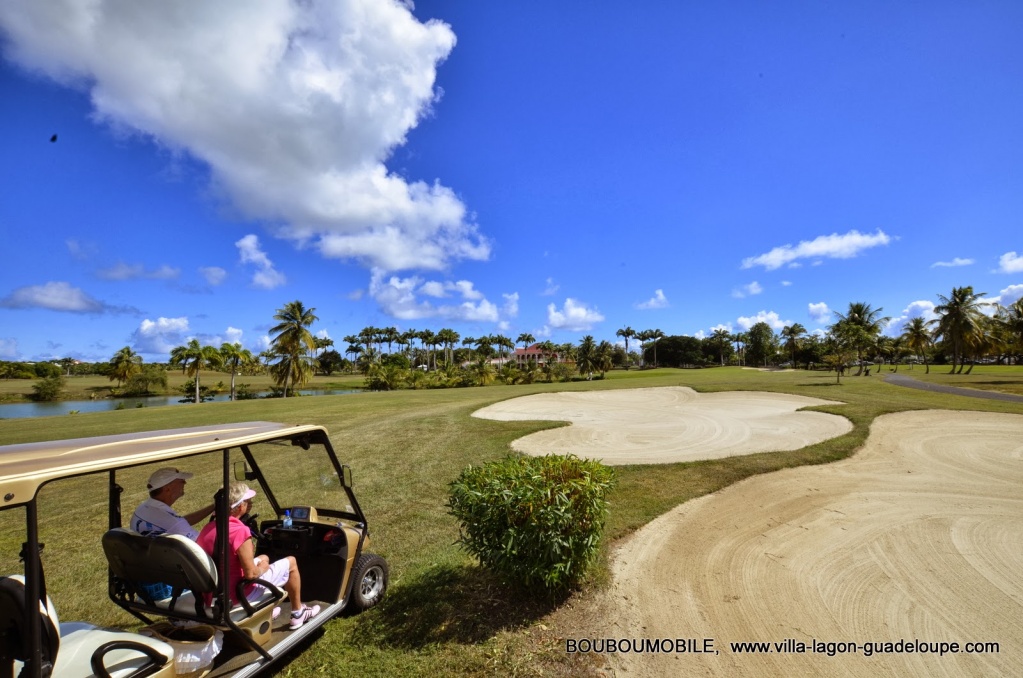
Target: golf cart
[{"x": 293, "y": 468}]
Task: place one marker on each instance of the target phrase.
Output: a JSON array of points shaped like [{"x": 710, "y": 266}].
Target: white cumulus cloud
[
  {"x": 295, "y": 107},
  {"x": 1010, "y": 294},
  {"x": 834, "y": 246},
  {"x": 916, "y": 309},
  {"x": 1010, "y": 263},
  {"x": 401, "y": 298},
  {"x": 575, "y": 316},
  {"x": 657, "y": 301},
  {"x": 819, "y": 312},
  {"x": 769, "y": 317},
  {"x": 161, "y": 335}
]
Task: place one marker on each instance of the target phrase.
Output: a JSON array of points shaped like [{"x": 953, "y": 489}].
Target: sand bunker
[
  {"x": 917, "y": 536},
  {"x": 664, "y": 425}
]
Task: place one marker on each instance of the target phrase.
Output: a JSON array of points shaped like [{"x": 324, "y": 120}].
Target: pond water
[{"x": 63, "y": 407}]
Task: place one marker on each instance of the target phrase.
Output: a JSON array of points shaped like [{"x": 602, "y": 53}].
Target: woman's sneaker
[{"x": 302, "y": 616}]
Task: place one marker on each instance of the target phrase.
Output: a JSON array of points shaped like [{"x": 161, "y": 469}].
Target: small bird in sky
[{"x": 53, "y": 139}]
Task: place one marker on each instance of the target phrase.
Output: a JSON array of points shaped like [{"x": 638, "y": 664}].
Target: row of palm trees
[{"x": 961, "y": 329}]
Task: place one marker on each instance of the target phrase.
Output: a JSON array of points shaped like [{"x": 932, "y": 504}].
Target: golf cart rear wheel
[{"x": 370, "y": 574}]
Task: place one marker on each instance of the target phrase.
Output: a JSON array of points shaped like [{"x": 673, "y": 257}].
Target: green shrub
[
  {"x": 49, "y": 388},
  {"x": 536, "y": 520}
]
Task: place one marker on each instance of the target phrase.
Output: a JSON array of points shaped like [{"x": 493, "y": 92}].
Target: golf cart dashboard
[{"x": 307, "y": 513}]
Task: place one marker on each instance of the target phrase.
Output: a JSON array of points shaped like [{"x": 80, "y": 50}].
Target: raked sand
[
  {"x": 663, "y": 425},
  {"x": 918, "y": 536}
]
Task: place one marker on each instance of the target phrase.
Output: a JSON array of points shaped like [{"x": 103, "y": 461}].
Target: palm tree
[
  {"x": 125, "y": 364},
  {"x": 390, "y": 335},
  {"x": 291, "y": 341},
  {"x": 586, "y": 356},
  {"x": 626, "y": 333},
  {"x": 234, "y": 356},
  {"x": 448, "y": 338},
  {"x": 918, "y": 339},
  {"x": 526, "y": 339},
  {"x": 482, "y": 371},
  {"x": 740, "y": 339},
  {"x": 653, "y": 336},
  {"x": 194, "y": 358},
  {"x": 791, "y": 334},
  {"x": 959, "y": 321},
  {"x": 605, "y": 357},
  {"x": 721, "y": 337},
  {"x": 860, "y": 327},
  {"x": 504, "y": 344},
  {"x": 550, "y": 357},
  {"x": 1010, "y": 319}
]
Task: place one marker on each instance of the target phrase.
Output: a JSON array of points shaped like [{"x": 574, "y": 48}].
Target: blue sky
[{"x": 559, "y": 169}]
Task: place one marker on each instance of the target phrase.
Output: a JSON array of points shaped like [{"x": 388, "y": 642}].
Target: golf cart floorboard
[{"x": 234, "y": 660}]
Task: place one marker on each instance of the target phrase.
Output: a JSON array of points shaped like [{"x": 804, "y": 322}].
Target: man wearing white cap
[{"x": 155, "y": 516}]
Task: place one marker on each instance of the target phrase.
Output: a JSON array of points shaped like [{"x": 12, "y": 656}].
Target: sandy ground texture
[
  {"x": 662, "y": 425},
  {"x": 918, "y": 536}
]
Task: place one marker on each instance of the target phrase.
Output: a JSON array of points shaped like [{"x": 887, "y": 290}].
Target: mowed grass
[
  {"x": 442, "y": 616},
  {"x": 1002, "y": 378}
]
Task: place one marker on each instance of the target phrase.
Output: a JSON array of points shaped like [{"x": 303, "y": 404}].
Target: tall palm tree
[
  {"x": 959, "y": 321},
  {"x": 860, "y": 326},
  {"x": 791, "y": 335},
  {"x": 448, "y": 338},
  {"x": 1011, "y": 320},
  {"x": 504, "y": 345},
  {"x": 235, "y": 357},
  {"x": 918, "y": 339},
  {"x": 292, "y": 341},
  {"x": 605, "y": 357},
  {"x": 721, "y": 337},
  {"x": 626, "y": 333},
  {"x": 125, "y": 364},
  {"x": 194, "y": 358},
  {"x": 586, "y": 355},
  {"x": 654, "y": 336},
  {"x": 526, "y": 339}
]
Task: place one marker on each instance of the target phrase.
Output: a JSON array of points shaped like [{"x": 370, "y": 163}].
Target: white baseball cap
[{"x": 165, "y": 476}]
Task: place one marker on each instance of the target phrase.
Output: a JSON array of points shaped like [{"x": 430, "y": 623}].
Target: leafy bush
[
  {"x": 49, "y": 388},
  {"x": 536, "y": 520}
]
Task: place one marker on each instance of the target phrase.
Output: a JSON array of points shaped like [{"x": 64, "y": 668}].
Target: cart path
[
  {"x": 917, "y": 536},
  {"x": 668, "y": 424},
  {"x": 910, "y": 382}
]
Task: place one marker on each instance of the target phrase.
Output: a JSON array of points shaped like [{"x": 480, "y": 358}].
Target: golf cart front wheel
[{"x": 370, "y": 575}]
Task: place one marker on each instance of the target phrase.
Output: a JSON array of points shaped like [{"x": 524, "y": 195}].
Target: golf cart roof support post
[
  {"x": 34, "y": 590},
  {"x": 114, "y": 501},
  {"x": 263, "y": 485},
  {"x": 222, "y": 557}
]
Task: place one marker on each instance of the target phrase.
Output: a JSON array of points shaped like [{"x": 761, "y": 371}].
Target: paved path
[{"x": 910, "y": 382}]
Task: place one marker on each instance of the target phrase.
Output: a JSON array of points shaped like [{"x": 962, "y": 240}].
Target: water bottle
[{"x": 286, "y": 523}]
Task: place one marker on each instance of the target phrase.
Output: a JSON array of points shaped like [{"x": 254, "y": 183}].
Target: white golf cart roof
[{"x": 26, "y": 467}]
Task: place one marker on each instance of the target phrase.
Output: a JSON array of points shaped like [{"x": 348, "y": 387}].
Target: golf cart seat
[
  {"x": 75, "y": 649},
  {"x": 137, "y": 561}
]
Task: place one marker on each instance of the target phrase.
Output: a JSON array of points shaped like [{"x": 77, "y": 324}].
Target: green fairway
[{"x": 442, "y": 616}]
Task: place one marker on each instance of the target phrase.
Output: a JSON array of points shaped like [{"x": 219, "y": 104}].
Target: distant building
[{"x": 532, "y": 352}]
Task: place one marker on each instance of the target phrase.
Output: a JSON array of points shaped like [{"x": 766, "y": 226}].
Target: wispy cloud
[
  {"x": 60, "y": 296},
  {"x": 749, "y": 290},
  {"x": 266, "y": 276},
  {"x": 123, "y": 271},
  {"x": 657, "y": 301},
  {"x": 957, "y": 261},
  {"x": 214, "y": 275},
  {"x": 834, "y": 246},
  {"x": 551, "y": 289}
]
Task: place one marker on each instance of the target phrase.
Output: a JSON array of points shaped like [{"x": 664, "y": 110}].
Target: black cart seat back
[
  {"x": 172, "y": 559},
  {"x": 13, "y": 632}
]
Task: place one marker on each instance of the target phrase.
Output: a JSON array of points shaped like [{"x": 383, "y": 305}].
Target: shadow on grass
[
  {"x": 461, "y": 604},
  {"x": 817, "y": 383}
]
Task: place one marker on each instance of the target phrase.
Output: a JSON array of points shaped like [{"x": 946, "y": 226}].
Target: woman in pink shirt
[{"x": 245, "y": 564}]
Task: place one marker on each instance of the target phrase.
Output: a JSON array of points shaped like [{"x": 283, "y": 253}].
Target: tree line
[{"x": 961, "y": 334}]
